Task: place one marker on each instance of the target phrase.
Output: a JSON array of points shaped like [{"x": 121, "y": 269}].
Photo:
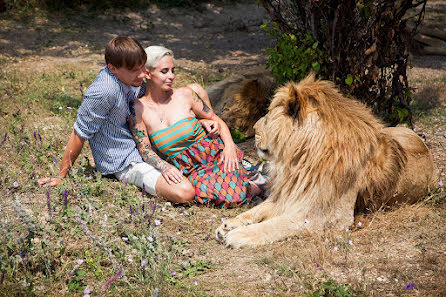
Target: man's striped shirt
[{"x": 102, "y": 119}]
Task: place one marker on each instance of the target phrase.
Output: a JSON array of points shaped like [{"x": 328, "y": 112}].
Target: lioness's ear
[{"x": 293, "y": 103}]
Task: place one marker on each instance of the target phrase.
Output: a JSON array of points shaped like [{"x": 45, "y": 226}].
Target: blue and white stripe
[{"x": 102, "y": 119}]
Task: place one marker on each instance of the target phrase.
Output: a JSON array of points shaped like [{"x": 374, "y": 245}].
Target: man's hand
[
  {"x": 212, "y": 127},
  {"x": 50, "y": 181}
]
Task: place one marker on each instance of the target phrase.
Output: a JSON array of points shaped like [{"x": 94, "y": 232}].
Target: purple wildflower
[
  {"x": 410, "y": 286},
  {"x": 143, "y": 262},
  {"x": 40, "y": 137},
  {"x": 35, "y": 135},
  {"x": 23, "y": 126},
  {"x": 113, "y": 278},
  {"x": 157, "y": 222},
  {"x": 173, "y": 272},
  {"x": 318, "y": 266},
  {"x": 440, "y": 183},
  {"x": 65, "y": 198},
  {"x": 5, "y": 138},
  {"x": 131, "y": 210},
  {"x": 143, "y": 190},
  {"x": 150, "y": 238},
  {"x": 54, "y": 208},
  {"x": 125, "y": 238},
  {"x": 25, "y": 139},
  {"x": 87, "y": 291},
  {"x": 48, "y": 202},
  {"x": 335, "y": 248},
  {"x": 223, "y": 219},
  {"x": 142, "y": 207},
  {"x": 55, "y": 160},
  {"x": 79, "y": 261},
  {"x": 207, "y": 237},
  {"x": 125, "y": 181},
  {"x": 15, "y": 184}
]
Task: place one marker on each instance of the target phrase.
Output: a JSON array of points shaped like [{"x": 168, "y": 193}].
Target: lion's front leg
[
  {"x": 254, "y": 215},
  {"x": 275, "y": 229}
]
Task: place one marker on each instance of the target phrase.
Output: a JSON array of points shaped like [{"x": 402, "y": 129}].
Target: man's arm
[
  {"x": 140, "y": 135},
  {"x": 74, "y": 148}
]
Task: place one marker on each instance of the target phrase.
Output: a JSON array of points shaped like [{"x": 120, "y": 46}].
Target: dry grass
[{"x": 390, "y": 250}]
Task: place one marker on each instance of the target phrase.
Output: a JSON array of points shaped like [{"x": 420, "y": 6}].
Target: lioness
[{"x": 328, "y": 154}]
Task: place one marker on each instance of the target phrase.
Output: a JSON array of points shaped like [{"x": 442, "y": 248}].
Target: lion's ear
[{"x": 293, "y": 103}]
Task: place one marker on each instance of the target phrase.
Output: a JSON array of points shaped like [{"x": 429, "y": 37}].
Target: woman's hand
[
  {"x": 212, "y": 127},
  {"x": 229, "y": 159},
  {"x": 171, "y": 174}
]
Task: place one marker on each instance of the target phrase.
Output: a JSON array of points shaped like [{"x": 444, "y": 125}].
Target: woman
[{"x": 166, "y": 119}]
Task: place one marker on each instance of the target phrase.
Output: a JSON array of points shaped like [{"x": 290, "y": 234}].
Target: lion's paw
[
  {"x": 242, "y": 237},
  {"x": 226, "y": 226}
]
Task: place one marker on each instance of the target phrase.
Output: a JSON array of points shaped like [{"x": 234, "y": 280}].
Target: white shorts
[{"x": 139, "y": 173}]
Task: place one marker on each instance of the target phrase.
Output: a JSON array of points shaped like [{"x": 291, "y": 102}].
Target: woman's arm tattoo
[
  {"x": 143, "y": 143},
  {"x": 197, "y": 98}
]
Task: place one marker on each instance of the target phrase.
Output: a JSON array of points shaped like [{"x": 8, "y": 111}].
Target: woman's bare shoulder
[
  {"x": 183, "y": 94},
  {"x": 184, "y": 91}
]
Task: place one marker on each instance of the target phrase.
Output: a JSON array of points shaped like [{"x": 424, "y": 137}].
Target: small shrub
[
  {"x": 331, "y": 288},
  {"x": 293, "y": 56}
]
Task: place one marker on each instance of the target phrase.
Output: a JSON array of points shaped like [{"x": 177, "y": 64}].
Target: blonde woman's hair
[{"x": 154, "y": 54}]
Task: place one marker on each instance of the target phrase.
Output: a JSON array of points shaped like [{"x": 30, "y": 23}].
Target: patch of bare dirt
[{"x": 225, "y": 37}]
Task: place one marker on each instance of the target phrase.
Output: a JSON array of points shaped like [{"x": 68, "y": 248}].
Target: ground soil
[{"x": 390, "y": 249}]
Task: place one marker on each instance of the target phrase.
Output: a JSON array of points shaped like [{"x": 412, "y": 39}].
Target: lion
[
  {"x": 329, "y": 156},
  {"x": 241, "y": 100}
]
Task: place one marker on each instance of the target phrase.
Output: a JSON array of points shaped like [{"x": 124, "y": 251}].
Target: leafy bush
[{"x": 293, "y": 57}]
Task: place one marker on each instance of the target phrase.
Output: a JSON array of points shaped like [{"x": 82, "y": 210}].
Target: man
[{"x": 102, "y": 119}]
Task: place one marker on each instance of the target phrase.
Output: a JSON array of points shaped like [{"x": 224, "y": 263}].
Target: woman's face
[{"x": 164, "y": 74}]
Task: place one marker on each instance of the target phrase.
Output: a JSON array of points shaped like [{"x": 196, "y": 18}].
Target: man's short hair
[{"x": 124, "y": 51}]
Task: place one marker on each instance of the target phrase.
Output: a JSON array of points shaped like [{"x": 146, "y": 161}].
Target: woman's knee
[{"x": 184, "y": 192}]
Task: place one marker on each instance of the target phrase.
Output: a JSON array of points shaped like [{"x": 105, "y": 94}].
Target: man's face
[{"x": 133, "y": 77}]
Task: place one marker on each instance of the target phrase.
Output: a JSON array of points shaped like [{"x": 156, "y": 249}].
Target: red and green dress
[{"x": 198, "y": 157}]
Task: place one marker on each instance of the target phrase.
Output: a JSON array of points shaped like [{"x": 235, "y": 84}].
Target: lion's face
[
  {"x": 273, "y": 131},
  {"x": 260, "y": 139}
]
